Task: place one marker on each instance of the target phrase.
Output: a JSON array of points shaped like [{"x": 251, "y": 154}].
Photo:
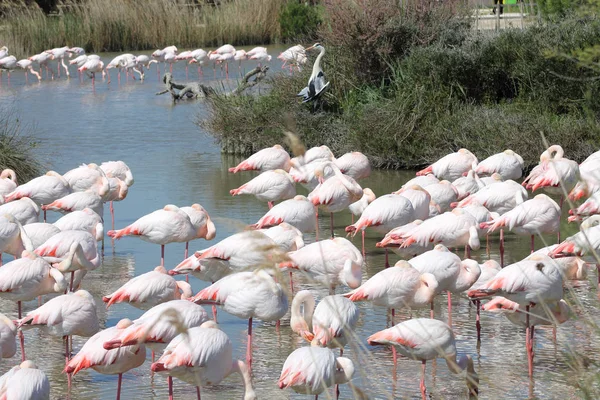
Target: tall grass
[{"x": 117, "y": 25}]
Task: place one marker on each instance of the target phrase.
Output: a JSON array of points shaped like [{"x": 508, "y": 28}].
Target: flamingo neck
[
  {"x": 302, "y": 321},
  {"x": 346, "y": 371},
  {"x": 241, "y": 368}
]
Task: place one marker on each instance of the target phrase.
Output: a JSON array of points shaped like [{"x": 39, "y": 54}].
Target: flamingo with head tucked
[
  {"x": 508, "y": 164},
  {"x": 451, "y": 166},
  {"x": 270, "y": 158}
]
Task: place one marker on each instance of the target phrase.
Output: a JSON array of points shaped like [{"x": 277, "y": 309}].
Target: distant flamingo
[
  {"x": 239, "y": 56},
  {"x": 8, "y": 64},
  {"x": 59, "y": 54},
  {"x": 329, "y": 262},
  {"x": 532, "y": 217},
  {"x": 270, "y": 158},
  {"x": 79, "y": 61},
  {"x": 270, "y": 186},
  {"x": 536, "y": 280},
  {"x": 320, "y": 153},
  {"x": 384, "y": 213},
  {"x": 295, "y": 56},
  {"x": 147, "y": 290},
  {"x": 93, "y": 66},
  {"x": 202, "y": 357},
  {"x": 225, "y": 58},
  {"x": 311, "y": 370},
  {"x": 64, "y": 316},
  {"x": 331, "y": 324},
  {"x": 42, "y": 59},
  {"x": 427, "y": 339},
  {"x": 25, "y": 381},
  {"x": 336, "y": 193},
  {"x": 422, "y": 180},
  {"x": 200, "y": 57},
  {"x": 452, "y": 274},
  {"x": 142, "y": 61},
  {"x": 508, "y": 164},
  {"x": 110, "y": 362},
  {"x": 255, "y": 51},
  {"x": 298, "y": 212},
  {"x": 221, "y": 51},
  {"x": 168, "y": 225},
  {"x": 184, "y": 56},
  {"x": 247, "y": 295},
  {"x": 27, "y": 66},
  {"x": 354, "y": 164},
  {"x": 451, "y": 166},
  {"x": 25, "y": 210}
]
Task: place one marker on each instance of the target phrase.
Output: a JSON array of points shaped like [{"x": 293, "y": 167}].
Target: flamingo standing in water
[
  {"x": 42, "y": 60},
  {"x": 201, "y": 222},
  {"x": 87, "y": 177},
  {"x": 202, "y": 357},
  {"x": 427, "y": 339},
  {"x": 589, "y": 182},
  {"x": 384, "y": 213},
  {"x": 335, "y": 193},
  {"x": 312, "y": 369},
  {"x": 59, "y": 54},
  {"x": 77, "y": 201},
  {"x": 451, "y": 166},
  {"x": 247, "y": 295},
  {"x": 27, "y": 66},
  {"x": 93, "y": 66},
  {"x": 8, "y": 64},
  {"x": 419, "y": 198},
  {"x": 298, "y": 212},
  {"x": 43, "y": 189},
  {"x": 216, "y": 55},
  {"x": 8, "y": 335},
  {"x": 270, "y": 186},
  {"x": 489, "y": 269},
  {"x": 452, "y": 274},
  {"x": 83, "y": 220},
  {"x": 239, "y": 56},
  {"x": 184, "y": 56},
  {"x": 394, "y": 239},
  {"x": 26, "y": 278},
  {"x": 508, "y": 164},
  {"x": 354, "y": 164},
  {"x": 535, "y": 280},
  {"x": 168, "y": 225},
  {"x": 25, "y": 381},
  {"x": 64, "y": 316},
  {"x": 329, "y": 262},
  {"x": 331, "y": 323},
  {"x": 13, "y": 239},
  {"x": 589, "y": 207},
  {"x": 116, "y": 361},
  {"x": 357, "y": 208},
  {"x": 287, "y": 237},
  {"x": 199, "y": 56},
  {"x": 39, "y": 233},
  {"x": 270, "y": 158},
  {"x": 294, "y": 56},
  {"x": 536, "y": 216},
  {"x": 149, "y": 289},
  {"x": 24, "y": 210},
  {"x": 443, "y": 195},
  {"x": 121, "y": 171}
]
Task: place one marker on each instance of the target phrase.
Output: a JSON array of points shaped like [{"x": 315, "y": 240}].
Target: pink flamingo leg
[
  {"x": 162, "y": 255},
  {"x": 387, "y": 258},
  {"x": 478, "y": 320},
  {"x": 532, "y": 243},
  {"x": 44, "y": 215},
  {"x": 187, "y": 248},
  {"x": 186, "y": 71},
  {"x": 422, "y": 385},
  {"x": 562, "y": 199},
  {"x": 249, "y": 347},
  {"x": 270, "y": 203},
  {"x": 21, "y": 336},
  {"x": 119, "y": 382},
  {"x": 291, "y": 283},
  {"x": 67, "y": 358},
  {"x": 1, "y": 261},
  {"x": 198, "y": 392},
  {"x": 214, "y": 311},
  {"x": 450, "y": 310},
  {"x": 170, "y": 383},
  {"x": 363, "y": 243},
  {"x": 112, "y": 215},
  {"x": 501, "y": 248},
  {"x": 431, "y": 310},
  {"x": 528, "y": 346},
  {"x": 331, "y": 223}
]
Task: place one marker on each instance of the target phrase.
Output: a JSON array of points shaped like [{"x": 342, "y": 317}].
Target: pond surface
[{"x": 175, "y": 162}]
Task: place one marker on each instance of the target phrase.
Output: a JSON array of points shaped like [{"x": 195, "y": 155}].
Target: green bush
[{"x": 298, "y": 20}]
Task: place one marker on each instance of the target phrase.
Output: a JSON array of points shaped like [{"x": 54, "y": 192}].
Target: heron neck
[{"x": 317, "y": 64}]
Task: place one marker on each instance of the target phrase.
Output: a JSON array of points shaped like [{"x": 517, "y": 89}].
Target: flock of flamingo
[
  {"x": 91, "y": 64},
  {"x": 453, "y": 203}
]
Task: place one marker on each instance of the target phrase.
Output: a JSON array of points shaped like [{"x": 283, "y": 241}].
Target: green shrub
[{"x": 299, "y": 20}]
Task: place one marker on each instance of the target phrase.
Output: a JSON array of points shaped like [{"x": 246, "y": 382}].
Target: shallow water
[{"x": 173, "y": 161}]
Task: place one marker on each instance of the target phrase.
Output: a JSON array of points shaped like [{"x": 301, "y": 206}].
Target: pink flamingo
[
  {"x": 427, "y": 339},
  {"x": 8, "y": 64},
  {"x": 311, "y": 370},
  {"x": 202, "y": 357},
  {"x": 13, "y": 239},
  {"x": 216, "y": 55},
  {"x": 82, "y": 220},
  {"x": 307, "y": 174},
  {"x": 8, "y": 335},
  {"x": 117, "y": 192},
  {"x": 572, "y": 268},
  {"x": 298, "y": 212},
  {"x": 331, "y": 323},
  {"x": 201, "y": 222},
  {"x": 467, "y": 185},
  {"x": 184, "y": 56},
  {"x": 199, "y": 56},
  {"x": 260, "y": 57},
  {"x": 42, "y": 60},
  {"x": 164, "y": 226},
  {"x": 39, "y": 232},
  {"x": 59, "y": 54},
  {"x": 536, "y": 216},
  {"x": 336, "y": 193},
  {"x": 27, "y": 66},
  {"x": 394, "y": 239},
  {"x": 43, "y": 189},
  {"x": 64, "y": 316},
  {"x": 443, "y": 195},
  {"x": 116, "y": 361},
  {"x": 255, "y": 51},
  {"x": 419, "y": 198},
  {"x": 536, "y": 280},
  {"x": 25, "y": 380},
  {"x": 92, "y": 66},
  {"x": 24, "y": 210},
  {"x": 239, "y": 56},
  {"x": 270, "y": 158},
  {"x": 247, "y": 295},
  {"x": 508, "y": 164},
  {"x": 26, "y": 278},
  {"x": 87, "y": 177},
  {"x": 384, "y": 213},
  {"x": 329, "y": 262},
  {"x": 320, "y": 153},
  {"x": 225, "y": 58},
  {"x": 270, "y": 186},
  {"x": 357, "y": 208},
  {"x": 589, "y": 182},
  {"x": 294, "y": 56},
  {"x": 287, "y": 237},
  {"x": 452, "y": 274},
  {"x": 354, "y": 164},
  {"x": 489, "y": 269},
  {"x": 499, "y": 197},
  {"x": 589, "y": 207},
  {"x": 121, "y": 171},
  {"x": 77, "y": 201},
  {"x": 149, "y": 289},
  {"x": 422, "y": 180},
  {"x": 8, "y": 181},
  {"x": 451, "y": 166},
  {"x": 158, "y": 326},
  {"x": 586, "y": 241}
]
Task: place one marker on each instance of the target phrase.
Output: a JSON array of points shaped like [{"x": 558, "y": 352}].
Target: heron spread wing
[{"x": 315, "y": 88}]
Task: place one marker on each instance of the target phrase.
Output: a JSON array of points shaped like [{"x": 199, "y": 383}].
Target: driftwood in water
[{"x": 194, "y": 90}]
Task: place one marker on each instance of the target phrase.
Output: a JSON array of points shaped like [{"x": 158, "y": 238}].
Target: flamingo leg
[
  {"x": 450, "y": 309},
  {"x": 112, "y": 215},
  {"x": 270, "y": 203},
  {"x": 162, "y": 255},
  {"x": 363, "y": 242},
  {"x": 468, "y": 251},
  {"x": 501, "y": 248},
  {"x": 291, "y": 284},
  {"x": 422, "y": 385},
  {"x": 317, "y": 226},
  {"x": 21, "y": 336},
  {"x": 331, "y": 223},
  {"x": 44, "y": 215},
  {"x": 528, "y": 342},
  {"x": 562, "y": 199},
  {"x": 67, "y": 357},
  {"x": 214, "y": 311},
  {"x": 249, "y": 347},
  {"x": 387, "y": 258},
  {"x": 198, "y": 392},
  {"x": 153, "y": 355},
  {"x": 186, "y": 71},
  {"x": 170, "y": 383},
  {"x": 119, "y": 382},
  {"x": 478, "y": 320},
  {"x": 185, "y": 255},
  {"x": 431, "y": 310},
  {"x": 532, "y": 243},
  {"x": 72, "y": 281},
  {"x": 487, "y": 245}
]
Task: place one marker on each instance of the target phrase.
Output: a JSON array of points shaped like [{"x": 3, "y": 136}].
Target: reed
[{"x": 118, "y": 25}]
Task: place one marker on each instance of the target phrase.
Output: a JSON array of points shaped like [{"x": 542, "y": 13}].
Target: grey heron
[{"x": 316, "y": 83}]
